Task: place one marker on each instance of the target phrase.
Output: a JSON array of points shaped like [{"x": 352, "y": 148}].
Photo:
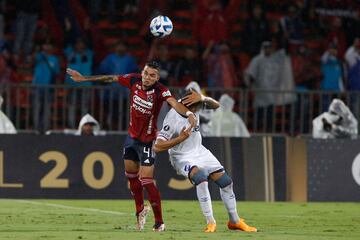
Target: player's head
[
  {"x": 150, "y": 74},
  {"x": 193, "y": 107}
]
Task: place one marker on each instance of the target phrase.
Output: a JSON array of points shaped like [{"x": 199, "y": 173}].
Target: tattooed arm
[{"x": 77, "y": 77}]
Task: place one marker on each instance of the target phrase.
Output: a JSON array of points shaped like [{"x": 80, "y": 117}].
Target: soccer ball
[{"x": 161, "y": 26}]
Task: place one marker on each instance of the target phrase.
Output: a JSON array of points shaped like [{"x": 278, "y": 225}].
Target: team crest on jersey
[{"x": 150, "y": 98}]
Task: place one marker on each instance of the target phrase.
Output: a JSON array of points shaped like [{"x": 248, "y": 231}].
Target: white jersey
[
  {"x": 173, "y": 125},
  {"x": 190, "y": 152}
]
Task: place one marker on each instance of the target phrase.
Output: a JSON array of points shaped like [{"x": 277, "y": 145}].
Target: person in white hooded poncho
[
  {"x": 225, "y": 122},
  {"x": 88, "y": 126},
  {"x": 338, "y": 122},
  {"x": 6, "y": 126}
]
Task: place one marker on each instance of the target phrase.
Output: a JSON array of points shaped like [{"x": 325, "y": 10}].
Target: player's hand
[
  {"x": 185, "y": 133},
  {"x": 194, "y": 97},
  {"x": 192, "y": 120},
  {"x": 75, "y": 75}
]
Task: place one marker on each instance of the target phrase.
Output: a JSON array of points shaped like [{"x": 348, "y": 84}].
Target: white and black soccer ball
[{"x": 161, "y": 26}]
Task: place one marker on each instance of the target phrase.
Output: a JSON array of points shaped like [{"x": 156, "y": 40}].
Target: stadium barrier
[
  {"x": 40, "y": 108},
  {"x": 264, "y": 168}
]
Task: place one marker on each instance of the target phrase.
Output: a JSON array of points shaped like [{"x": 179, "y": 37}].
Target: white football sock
[
  {"x": 228, "y": 197},
  {"x": 204, "y": 198}
]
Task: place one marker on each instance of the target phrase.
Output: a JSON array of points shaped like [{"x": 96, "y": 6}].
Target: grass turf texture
[{"x": 114, "y": 219}]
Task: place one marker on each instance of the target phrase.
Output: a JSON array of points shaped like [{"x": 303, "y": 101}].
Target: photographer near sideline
[{"x": 337, "y": 122}]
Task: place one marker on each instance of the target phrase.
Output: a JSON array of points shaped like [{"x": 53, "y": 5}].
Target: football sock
[
  {"x": 154, "y": 197},
  {"x": 204, "y": 198},
  {"x": 228, "y": 197},
  {"x": 136, "y": 190}
]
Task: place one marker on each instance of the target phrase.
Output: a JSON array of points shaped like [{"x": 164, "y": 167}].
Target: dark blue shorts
[{"x": 138, "y": 151}]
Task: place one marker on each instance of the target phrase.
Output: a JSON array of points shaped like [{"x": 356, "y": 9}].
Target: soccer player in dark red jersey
[{"x": 146, "y": 98}]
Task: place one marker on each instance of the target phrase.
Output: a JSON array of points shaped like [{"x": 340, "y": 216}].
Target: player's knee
[
  {"x": 131, "y": 175},
  {"x": 224, "y": 181},
  {"x": 198, "y": 177},
  {"x": 146, "y": 181}
]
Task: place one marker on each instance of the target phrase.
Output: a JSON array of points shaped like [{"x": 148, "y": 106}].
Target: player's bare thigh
[
  {"x": 146, "y": 171},
  {"x": 131, "y": 166}
]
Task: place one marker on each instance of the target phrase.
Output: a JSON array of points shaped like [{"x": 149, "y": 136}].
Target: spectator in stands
[
  {"x": 337, "y": 122},
  {"x": 256, "y": 31},
  {"x": 88, "y": 126},
  {"x": 293, "y": 26},
  {"x": 46, "y": 71},
  {"x": 331, "y": 67},
  {"x": 213, "y": 19},
  {"x": 270, "y": 70},
  {"x": 28, "y": 12},
  {"x": 79, "y": 57},
  {"x": 225, "y": 122},
  {"x": 337, "y": 36},
  {"x": 187, "y": 68},
  {"x": 117, "y": 63},
  {"x": 352, "y": 58},
  {"x": 6, "y": 126},
  {"x": 305, "y": 68},
  {"x": 221, "y": 70}
]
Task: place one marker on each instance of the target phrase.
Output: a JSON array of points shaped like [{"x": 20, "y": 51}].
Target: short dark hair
[{"x": 153, "y": 64}]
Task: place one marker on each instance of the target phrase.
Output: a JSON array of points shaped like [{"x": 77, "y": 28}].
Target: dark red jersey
[{"x": 145, "y": 106}]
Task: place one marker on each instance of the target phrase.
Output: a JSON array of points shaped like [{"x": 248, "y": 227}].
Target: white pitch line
[{"x": 73, "y": 208}]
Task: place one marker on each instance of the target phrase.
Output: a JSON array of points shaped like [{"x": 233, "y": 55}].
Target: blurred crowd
[{"x": 260, "y": 44}]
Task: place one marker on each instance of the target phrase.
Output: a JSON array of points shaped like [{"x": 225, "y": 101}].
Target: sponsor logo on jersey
[
  {"x": 147, "y": 161},
  {"x": 139, "y": 101},
  {"x": 166, "y": 93},
  {"x": 140, "y": 109},
  {"x": 166, "y": 128}
]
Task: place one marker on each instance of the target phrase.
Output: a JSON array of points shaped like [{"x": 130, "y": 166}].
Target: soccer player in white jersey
[{"x": 191, "y": 159}]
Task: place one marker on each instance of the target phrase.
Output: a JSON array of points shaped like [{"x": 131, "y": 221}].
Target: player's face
[{"x": 149, "y": 76}]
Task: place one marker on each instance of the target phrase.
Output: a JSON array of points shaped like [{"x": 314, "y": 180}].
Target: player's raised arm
[
  {"x": 195, "y": 97},
  {"x": 161, "y": 144},
  {"x": 180, "y": 108},
  {"x": 77, "y": 77}
]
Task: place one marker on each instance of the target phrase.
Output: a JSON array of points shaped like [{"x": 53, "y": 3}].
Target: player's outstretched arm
[
  {"x": 77, "y": 77},
  {"x": 195, "y": 97},
  {"x": 180, "y": 108},
  {"x": 163, "y": 145}
]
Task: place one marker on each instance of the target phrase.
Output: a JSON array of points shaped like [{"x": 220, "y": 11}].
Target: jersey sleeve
[
  {"x": 165, "y": 93},
  {"x": 168, "y": 130},
  {"x": 128, "y": 80}
]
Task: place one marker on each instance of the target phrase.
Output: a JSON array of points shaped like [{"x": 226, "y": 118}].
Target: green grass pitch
[{"x": 114, "y": 219}]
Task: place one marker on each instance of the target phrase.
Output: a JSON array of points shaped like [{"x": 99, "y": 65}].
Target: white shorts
[{"x": 206, "y": 162}]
